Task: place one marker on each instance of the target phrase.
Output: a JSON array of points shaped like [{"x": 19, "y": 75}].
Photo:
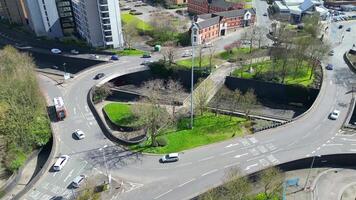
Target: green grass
[
  {"x": 235, "y": 53},
  {"x": 247, "y": 6},
  {"x": 264, "y": 71},
  {"x": 207, "y": 129},
  {"x": 187, "y": 63},
  {"x": 129, "y": 52},
  {"x": 141, "y": 25},
  {"x": 120, "y": 114}
]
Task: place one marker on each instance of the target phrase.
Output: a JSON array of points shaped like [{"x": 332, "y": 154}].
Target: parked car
[
  {"x": 75, "y": 52},
  {"x": 56, "y": 51},
  {"x": 77, "y": 181},
  {"x": 348, "y": 29},
  {"x": 341, "y": 26},
  {"x": 93, "y": 56},
  {"x": 207, "y": 44},
  {"x": 99, "y": 76},
  {"x": 187, "y": 53},
  {"x": 331, "y": 53},
  {"x": 146, "y": 62},
  {"x": 334, "y": 114},
  {"x": 114, "y": 57},
  {"x": 61, "y": 161},
  {"x": 125, "y": 8},
  {"x": 79, "y": 134},
  {"x": 329, "y": 67},
  {"x": 146, "y": 55},
  {"x": 265, "y": 14},
  {"x": 172, "y": 157}
]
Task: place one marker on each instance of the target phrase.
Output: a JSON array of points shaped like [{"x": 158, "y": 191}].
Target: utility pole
[
  {"x": 311, "y": 167},
  {"x": 194, "y": 41},
  {"x": 106, "y": 166}
]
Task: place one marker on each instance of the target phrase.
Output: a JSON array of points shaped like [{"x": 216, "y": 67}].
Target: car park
[
  {"x": 172, "y": 157},
  {"x": 77, "y": 181},
  {"x": 329, "y": 67},
  {"x": 99, "y": 76},
  {"x": 56, "y": 51},
  {"x": 334, "y": 114},
  {"x": 61, "y": 161},
  {"x": 79, "y": 134},
  {"x": 75, "y": 52}
]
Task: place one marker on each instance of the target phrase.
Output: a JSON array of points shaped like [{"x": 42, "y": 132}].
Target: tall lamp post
[
  {"x": 311, "y": 167},
  {"x": 194, "y": 41},
  {"x": 106, "y": 166}
]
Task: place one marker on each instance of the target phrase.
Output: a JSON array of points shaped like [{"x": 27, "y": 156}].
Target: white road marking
[
  {"x": 231, "y": 145},
  {"x": 210, "y": 172},
  {"x": 69, "y": 175},
  {"x": 352, "y": 149},
  {"x": 312, "y": 152},
  {"x": 262, "y": 149},
  {"x": 308, "y": 155},
  {"x": 248, "y": 160},
  {"x": 272, "y": 159},
  {"x": 207, "y": 158},
  {"x": 332, "y": 138},
  {"x": 254, "y": 152},
  {"x": 317, "y": 127},
  {"x": 253, "y": 140},
  {"x": 271, "y": 147},
  {"x": 245, "y": 142},
  {"x": 193, "y": 179},
  {"x": 231, "y": 165},
  {"x": 328, "y": 141},
  {"x": 264, "y": 162},
  {"x": 90, "y": 123},
  {"x": 250, "y": 166},
  {"x": 331, "y": 82},
  {"x": 238, "y": 156},
  {"x": 228, "y": 152},
  {"x": 161, "y": 195},
  {"x": 54, "y": 174},
  {"x": 75, "y": 110},
  {"x": 87, "y": 108},
  {"x": 347, "y": 139},
  {"x": 345, "y": 85},
  {"x": 334, "y": 144}
]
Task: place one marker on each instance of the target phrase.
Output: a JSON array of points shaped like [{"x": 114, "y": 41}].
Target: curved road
[{"x": 143, "y": 177}]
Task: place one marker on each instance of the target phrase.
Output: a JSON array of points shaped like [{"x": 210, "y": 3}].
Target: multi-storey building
[
  {"x": 211, "y": 26},
  {"x": 99, "y": 22},
  {"x": 66, "y": 16},
  {"x": 211, "y": 6},
  {"x": 14, "y": 11}
]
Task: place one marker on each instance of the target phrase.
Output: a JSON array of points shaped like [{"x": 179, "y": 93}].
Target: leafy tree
[
  {"x": 102, "y": 92},
  {"x": 202, "y": 95}
]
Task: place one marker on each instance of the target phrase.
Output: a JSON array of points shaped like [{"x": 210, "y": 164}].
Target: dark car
[
  {"x": 329, "y": 67},
  {"x": 265, "y": 14},
  {"x": 341, "y": 26},
  {"x": 99, "y": 76},
  {"x": 114, "y": 57},
  {"x": 348, "y": 29},
  {"x": 146, "y": 55}
]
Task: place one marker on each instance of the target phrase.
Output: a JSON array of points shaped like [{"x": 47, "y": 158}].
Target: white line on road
[
  {"x": 75, "y": 110},
  {"x": 232, "y": 151},
  {"x": 317, "y": 127},
  {"x": 258, "y": 157},
  {"x": 334, "y": 144},
  {"x": 193, "y": 179},
  {"x": 69, "y": 175},
  {"x": 331, "y": 82},
  {"x": 332, "y": 138},
  {"x": 352, "y": 149},
  {"x": 210, "y": 172},
  {"x": 238, "y": 156},
  {"x": 161, "y": 195},
  {"x": 54, "y": 174},
  {"x": 231, "y": 165},
  {"x": 312, "y": 152},
  {"x": 328, "y": 141},
  {"x": 207, "y": 158},
  {"x": 347, "y": 139},
  {"x": 318, "y": 148},
  {"x": 231, "y": 145},
  {"x": 250, "y": 166}
]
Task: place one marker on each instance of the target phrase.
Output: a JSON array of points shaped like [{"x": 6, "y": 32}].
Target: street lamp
[
  {"x": 106, "y": 166},
  {"x": 311, "y": 167},
  {"x": 194, "y": 41}
]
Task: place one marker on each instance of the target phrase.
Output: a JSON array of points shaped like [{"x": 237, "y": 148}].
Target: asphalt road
[{"x": 201, "y": 168}]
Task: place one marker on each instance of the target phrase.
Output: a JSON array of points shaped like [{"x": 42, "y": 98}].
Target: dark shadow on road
[{"x": 42, "y": 158}]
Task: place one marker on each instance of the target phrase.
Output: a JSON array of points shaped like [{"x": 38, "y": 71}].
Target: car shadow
[{"x": 74, "y": 136}]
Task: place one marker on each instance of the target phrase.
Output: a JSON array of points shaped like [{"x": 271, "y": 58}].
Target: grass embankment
[
  {"x": 236, "y": 52},
  {"x": 120, "y": 114},
  {"x": 140, "y": 24},
  {"x": 265, "y": 71},
  {"x": 207, "y": 129},
  {"x": 205, "y": 63},
  {"x": 129, "y": 52}
]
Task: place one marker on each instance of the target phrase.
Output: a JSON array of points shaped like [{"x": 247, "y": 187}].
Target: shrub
[
  {"x": 14, "y": 159},
  {"x": 162, "y": 141}
]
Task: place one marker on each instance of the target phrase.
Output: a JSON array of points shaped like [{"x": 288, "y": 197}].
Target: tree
[
  {"x": 130, "y": 32},
  {"x": 211, "y": 56},
  {"x": 102, "y": 92},
  {"x": 200, "y": 55},
  {"x": 248, "y": 101},
  {"x": 260, "y": 34},
  {"x": 316, "y": 52},
  {"x": 220, "y": 97},
  {"x": 202, "y": 95},
  {"x": 149, "y": 110},
  {"x": 168, "y": 53},
  {"x": 271, "y": 180},
  {"x": 238, "y": 186},
  {"x": 175, "y": 90}
]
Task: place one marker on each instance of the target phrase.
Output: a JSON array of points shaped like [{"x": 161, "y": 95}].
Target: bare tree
[
  {"x": 248, "y": 101},
  {"x": 130, "y": 32},
  {"x": 260, "y": 34},
  {"x": 175, "y": 90},
  {"x": 220, "y": 97},
  {"x": 168, "y": 53},
  {"x": 316, "y": 52},
  {"x": 149, "y": 110},
  {"x": 238, "y": 186},
  {"x": 102, "y": 92},
  {"x": 200, "y": 55},
  {"x": 211, "y": 56},
  {"x": 202, "y": 95},
  {"x": 271, "y": 180}
]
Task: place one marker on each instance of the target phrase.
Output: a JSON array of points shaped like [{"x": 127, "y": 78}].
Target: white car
[
  {"x": 56, "y": 51},
  {"x": 79, "y": 134},
  {"x": 187, "y": 53},
  {"x": 208, "y": 44},
  {"x": 75, "y": 52},
  {"x": 61, "y": 161},
  {"x": 172, "y": 157},
  {"x": 77, "y": 181},
  {"x": 334, "y": 114}
]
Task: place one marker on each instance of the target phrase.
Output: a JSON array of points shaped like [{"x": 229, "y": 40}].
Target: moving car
[
  {"x": 329, "y": 67},
  {"x": 172, "y": 157},
  {"x": 341, "y": 26},
  {"x": 99, "y": 76},
  {"x": 348, "y": 29},
  {"x": 77, "y": 181},
  {"x": 114, "y": 57},
  {"x": 93, "y": 56},
  {"x": 208, "y": 44},
  {"x": 61, "y": 161},
  {"x": 79, "y": 134},
  {"x": 146, "y": 55},
  {"x": 75, "y": 52},
  {"x": 146, "y": 62},
  {"x": 334, "y": 114},
  {"x": 187, "y": 53},
  {"x": 265, "y": 14},
  {"x": 56, "y": 51}
]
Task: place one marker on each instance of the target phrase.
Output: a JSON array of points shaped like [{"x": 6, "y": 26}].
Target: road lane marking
[
  {"x": 352, "y": 149},
  {"x": 69, "y": 175},
  {"x": 334, "y": 144},
  {"x": 273, "y": 159},
  {"x": 245, "y": 142},
  {"x": 264, "y": 162},
  {"x": 231, "y": 165},
  {"x": 75, "y": 110},
  {"x": 251, "y": 159},
  {"x": 317, "y": 127},
  {"x": 262, "y": 149},
  {"x": 253, "y": 140},
  {"x": 232, "y": 151},
  {"x": 312, "y": 152},
  {"x": 254, "y": 152},
  {"x": 54, "y": 174},
  {"x": 271, "y": 147},
  {"x": 331, "y": 82},
  {"x": 208, "y": 158},
  {"x": 347, "y": 139},
  {"x": 238, "y": 156},
  {"x": 193, "y": 179},
  {"x": 328, "y": 141},
  {"x": 250, "y": 166},
  {"x": 231, "y": 145},
  {"x": 332, "y": 138},
  {"x": 161, "y": 195},
  {"x": 210, "y": 172}
]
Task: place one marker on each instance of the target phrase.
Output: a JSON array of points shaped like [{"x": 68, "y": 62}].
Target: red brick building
[
  {"x": 211, "y": 26},
  {"x": 211, "y": 6}
]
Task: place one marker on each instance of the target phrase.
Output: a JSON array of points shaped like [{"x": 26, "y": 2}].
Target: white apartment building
[{"x": 99, "y": 22}]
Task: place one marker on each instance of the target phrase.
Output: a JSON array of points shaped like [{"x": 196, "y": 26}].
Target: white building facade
[{"x": 99, "y": 22}]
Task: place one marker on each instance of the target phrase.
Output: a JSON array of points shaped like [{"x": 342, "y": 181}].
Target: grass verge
[
  {"x": 129, "y": 52},
  {"x": 140, "y": 24},
  {"x": 187, "y": 63},
  {"x": 207, "y": 129},
  {"x": 120, "y": 114}
]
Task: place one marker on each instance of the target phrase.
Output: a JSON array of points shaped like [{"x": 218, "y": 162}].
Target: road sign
[{"x": 66, "y": 76}]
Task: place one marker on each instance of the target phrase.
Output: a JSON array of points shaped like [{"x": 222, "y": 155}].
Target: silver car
[
  {"x": 79, "y": 134},
  {"x": 77, "y": 181}
]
